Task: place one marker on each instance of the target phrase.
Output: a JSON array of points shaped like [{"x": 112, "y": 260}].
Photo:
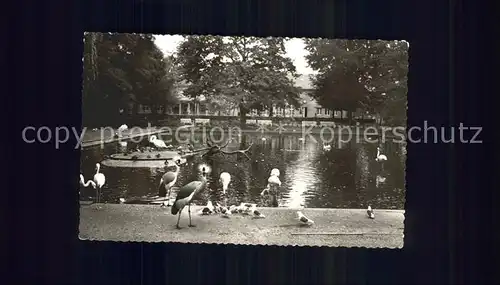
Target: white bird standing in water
[
  {"x": 224, "y": 179},
  {"x": 86, "y": 184},
  {"x": 157, "y": 142},
  {"x": 303, "y": 219},
  {"x": 186, "y": 194},
  {"x": 380, "y": 157},
  {"x": 99, "y": 180},
  {"x": 167, "y": 181},
  {"x": 370, "y": 213}
]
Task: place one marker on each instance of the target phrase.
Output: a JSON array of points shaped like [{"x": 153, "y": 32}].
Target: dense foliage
[{"x": 120, "y": 69}]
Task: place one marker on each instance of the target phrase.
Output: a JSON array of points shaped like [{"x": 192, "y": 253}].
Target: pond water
[{"x": 347, "y": 176}]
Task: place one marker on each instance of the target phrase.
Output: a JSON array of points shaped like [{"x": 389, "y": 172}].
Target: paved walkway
[{"x": 333, "y": 227}]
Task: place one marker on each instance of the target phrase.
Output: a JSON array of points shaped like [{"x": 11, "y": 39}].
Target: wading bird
[
  {"x": 224, "y": 179},
  {"x": 99, "y": 180},
  {"x": 304, "y": 220},
  {"x": 186, "y": 194},
  {"x": 86, "y": 184},
  {"x": 370, "y": 213},
  {"x": 168, "y": 180},
  {"x": 380, "y": 157},
  {"x": 157, "y": 142}
]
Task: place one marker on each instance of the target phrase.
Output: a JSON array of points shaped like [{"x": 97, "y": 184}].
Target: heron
[
  {"x": 168, "y": 180},
  {"x": 185, "y": 196}
]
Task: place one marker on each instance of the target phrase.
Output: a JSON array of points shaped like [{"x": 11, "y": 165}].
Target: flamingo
[
  {"x": 99, "y": 180},
  {"x": 224, "y": 179},
  {"x": 157, "y": 142},
  {"x": 186, "y": 194},
  {"x": 123, "y": 128},
  {"x": 167, "y": 181},
  {"x": 303, "y": 219},
  {"x": 380, "y": 157}
]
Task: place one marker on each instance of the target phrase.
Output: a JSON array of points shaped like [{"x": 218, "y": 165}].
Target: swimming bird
[
  {"x": 224, "y": 179},
  {"x": 303, "y": 219},
  {"x": 157, "y": 142},
  {"x": 123, "y": 128},
  {"x": 186, "y": 194},
  {"x": 99, "y": 180},
  {"x": 379, "y": 180},
  {"x": 370, "y": 213},
  {"x": 380, "y": 157},
  {"x": 257, "y": 214},
  {"x": 168, "y": 180}
]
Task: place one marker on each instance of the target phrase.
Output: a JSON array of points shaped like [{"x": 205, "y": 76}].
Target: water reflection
[{"x": 347, "y": 176}]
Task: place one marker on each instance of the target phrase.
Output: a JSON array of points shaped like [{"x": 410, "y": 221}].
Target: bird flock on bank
[{"x": 187, "y": 192}]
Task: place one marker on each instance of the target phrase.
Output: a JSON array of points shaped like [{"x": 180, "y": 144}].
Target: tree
[
  {"x": 119, "y": 69},
  {"x": 357, "y": 73},
  {"x": 244, "y": 72}
]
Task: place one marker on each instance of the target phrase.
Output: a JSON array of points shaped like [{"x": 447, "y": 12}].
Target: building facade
[{"x": 309, "y": 107}]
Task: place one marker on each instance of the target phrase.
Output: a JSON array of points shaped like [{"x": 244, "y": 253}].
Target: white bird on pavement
[
  {"x": 275, "y": 172},
  {"x": 370, "y": 213},
  {"x": 256, "y": 213},
  {"x": 99, "y": 180},
  {"x": 304, "y": 220},
  {"x": 157, "y": 142}
]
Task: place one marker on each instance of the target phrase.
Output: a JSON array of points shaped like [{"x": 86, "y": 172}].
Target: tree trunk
[
  {"x": 271, "y": 112},
  {"x": 243, "y": 117}
]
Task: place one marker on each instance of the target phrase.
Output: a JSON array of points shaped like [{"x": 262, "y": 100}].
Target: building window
[
  {"x": 318, "y": 111},
  {"x": 327, "y": 112}
]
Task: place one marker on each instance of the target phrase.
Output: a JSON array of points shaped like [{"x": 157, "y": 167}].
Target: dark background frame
[{"x": 445, "y": 240}]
